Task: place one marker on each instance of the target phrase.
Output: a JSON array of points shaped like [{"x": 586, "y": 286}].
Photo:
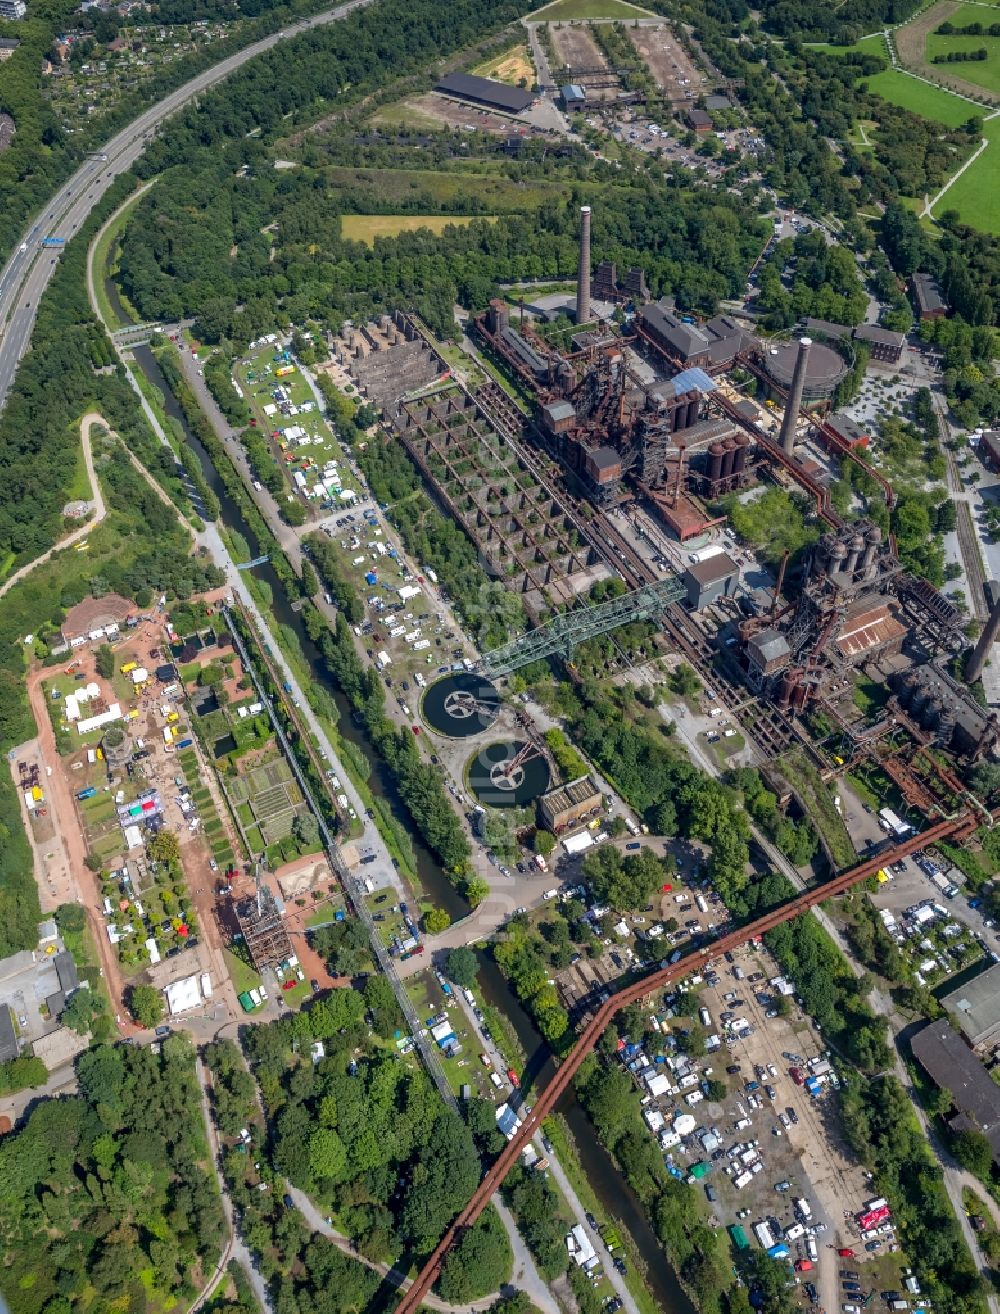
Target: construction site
[{"x": 641, "y": 419}]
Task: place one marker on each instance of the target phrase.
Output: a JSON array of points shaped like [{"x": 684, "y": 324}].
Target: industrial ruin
[{"x": 635, "y": 411}]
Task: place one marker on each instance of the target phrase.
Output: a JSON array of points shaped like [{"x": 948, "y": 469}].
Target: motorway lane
[{"x": 29, "y": 269}]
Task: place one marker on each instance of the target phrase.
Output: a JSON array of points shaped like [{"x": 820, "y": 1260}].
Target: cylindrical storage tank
[
  {"x": 694, "y": 406},
  {"x": 785, "y": 689},
  {"x": 729, "y": 456},
  {"x": 678, "y": 413},
  {"x": 742, "y": 444},
  {"x": 715, "y": 454},
  {"x": 915, "y": 701},
  {"x": 838, "y": 551},
  {"x": 872, "y": 540},
  {"x": 855, "y": 550}
]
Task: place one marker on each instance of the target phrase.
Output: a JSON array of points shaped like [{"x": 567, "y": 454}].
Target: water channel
[{"x": 607, "y": 1182}]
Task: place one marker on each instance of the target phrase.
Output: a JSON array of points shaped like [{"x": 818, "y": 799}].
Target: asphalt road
[{"x": 26, "y": 274}]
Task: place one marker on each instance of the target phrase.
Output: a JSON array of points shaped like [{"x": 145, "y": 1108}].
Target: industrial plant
[{"x": 631, "y": 408}]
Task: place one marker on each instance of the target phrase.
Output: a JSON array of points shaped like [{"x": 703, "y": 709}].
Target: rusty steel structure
[{"x": 666, "y": 976}]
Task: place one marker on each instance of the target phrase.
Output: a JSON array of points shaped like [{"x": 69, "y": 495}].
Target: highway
[{"x": 26, "y": 274}]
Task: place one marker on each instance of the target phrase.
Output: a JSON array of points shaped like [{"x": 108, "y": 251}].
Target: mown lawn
[{"x": 366, "y": 227}]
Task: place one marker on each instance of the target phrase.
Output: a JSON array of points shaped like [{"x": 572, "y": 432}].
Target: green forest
[
  {"x": 368, "y": 1137},
  {"x": 107, "y": 1197}
]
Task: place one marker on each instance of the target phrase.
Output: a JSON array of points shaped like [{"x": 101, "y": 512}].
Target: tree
[
  {"x": 83, "y": 1010},
  {"x": 327, "y": 1154},
  {"x": 973, "y": 1151},
  {"x": 462, "y": 966},
  {"x": 70, "y": 918},
  {"x": 213, "y": 673},
  {"x": 544, "y": 842},
  {"x": 436, "y": 920},
  {"x": 715, "y": 1090},
  {"x": 105, "y": 661},
  {"x": 477, "y": 889},
  {"x": 146, "y": 1005},
  {"x": 305, "y": 828},
  {"x": 164, "y": 847},
  {"x": 479, "y": 1263}
]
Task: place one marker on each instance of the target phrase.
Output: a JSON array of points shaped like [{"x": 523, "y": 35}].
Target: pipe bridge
[{"x": 562, "y": 633}]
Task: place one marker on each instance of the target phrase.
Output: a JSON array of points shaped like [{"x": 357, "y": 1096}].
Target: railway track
[
  {"x": 606, "y": 539},
  {"x": 972, "y": 558},
  {"x": 657, "y": 980}
]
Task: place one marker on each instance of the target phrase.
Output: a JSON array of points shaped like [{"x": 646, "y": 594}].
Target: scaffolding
[
  {"x": 263, "y": 931},
  {"x": 561, "y": 634}
]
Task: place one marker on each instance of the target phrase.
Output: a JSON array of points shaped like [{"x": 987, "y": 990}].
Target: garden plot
[{"x": 267, "y": 802}]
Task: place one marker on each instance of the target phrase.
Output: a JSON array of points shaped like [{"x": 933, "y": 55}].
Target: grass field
[
  {"x": 985, "y": 73},
  {"x": 564, "y": 10},
  {"x": 975, "y": 195},
  {"x": 366, "y": 227},
  {"x": 510, "y": 67},
  {"x": 433, "y": 188},
  {"x": 916, "y": 96},
  {"x": 404, "y": 114},
  {"x": 869, "y": 45},
  {"x": 105, "y": 260}
]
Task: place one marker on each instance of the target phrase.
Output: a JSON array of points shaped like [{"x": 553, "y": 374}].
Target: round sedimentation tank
[
  {"x": 508, "y": 774},
  {"x": 461, "y": 705}
]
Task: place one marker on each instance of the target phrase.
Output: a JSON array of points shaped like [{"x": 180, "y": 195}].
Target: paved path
[
  {"x": 235, "y": 1247},
  {"x": 929, "y": 205},
  {"x": 558, "y": 1172},
  {"x": 86, "y": 424}
]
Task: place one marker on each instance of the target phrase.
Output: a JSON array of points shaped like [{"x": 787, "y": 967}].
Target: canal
[
  {"x": 381, "y": 783},
  {"x": 600, "y": 1170},
  {"x": 614, "y": 1193}
]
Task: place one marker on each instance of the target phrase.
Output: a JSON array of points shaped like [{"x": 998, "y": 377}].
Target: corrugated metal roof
[
  {"x": 511, "y": 99},
  {"x": 871, "y": 629}
]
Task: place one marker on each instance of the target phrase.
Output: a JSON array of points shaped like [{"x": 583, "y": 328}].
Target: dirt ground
[
  {"x": 911, "y": 38},
  {"x": 576, "y": 48},
  {"x": 510, "y": 67},
  {"x": 65, "y": 855},
  {"x": 668, "y": 62},
  {"x": 452, "y": 114}
]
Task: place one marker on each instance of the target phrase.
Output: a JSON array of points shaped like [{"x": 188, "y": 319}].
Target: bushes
[
  {"x": 883, "y": 1129},
  {"x": 420, "y": 785},
  {"x": 22, "y": 1074}
]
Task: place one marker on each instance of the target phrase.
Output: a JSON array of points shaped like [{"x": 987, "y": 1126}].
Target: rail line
[
  {"x": 657, "y": 980},
  {"x": 968, "y": 546}
]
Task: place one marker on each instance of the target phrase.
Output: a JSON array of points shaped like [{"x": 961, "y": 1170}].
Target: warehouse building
[
  {"x": 8, "y": 1035},
  {"x": 930, "y": 301},
  {"x": 711, "y": 346},
  {"x": 975, "y": 1007},
  {"x": 708, "y": 581},
  {"x": 484, "y": 91},
  {"x": 953, "y": 1067},
  {"x": 569, "y": 804}
]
